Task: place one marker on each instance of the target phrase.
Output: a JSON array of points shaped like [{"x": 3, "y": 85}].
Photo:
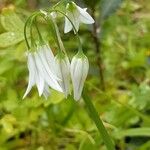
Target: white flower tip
[
  {"x": 66, "y": 31},
  {"x": 77, "y": 98},
  {"x": 85, "y": 9},
  {"x": 23, "y": 96},
  {"x": 92, "y": 20}
]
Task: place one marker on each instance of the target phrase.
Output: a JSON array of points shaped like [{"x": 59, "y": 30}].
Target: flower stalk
[
  {"x": 59, "y": 41},
  {"x": 98, "y": 122},
  {"x": 29, "y": 20},
  {"x": 76, "y": 32}
]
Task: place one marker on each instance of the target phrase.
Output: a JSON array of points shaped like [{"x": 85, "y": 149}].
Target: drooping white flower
[
  {"x": 34, "y": 76},
  {"x": 63, "y": 72},
  {"x": 48, "y": 59},
  {"x": 41, "y": 65},
  {"x": 77, "y": 15},
  {"x": 46, "y": 73},
  {"x": 79, "y": 71}
]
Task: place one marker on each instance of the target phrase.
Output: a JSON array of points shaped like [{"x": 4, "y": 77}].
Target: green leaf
[
  {"x": 10, "y": 21},
  {"x": 108, "y": 7},
  {"x": 10, "y": 38},
  {"x": 133, "y": 132}
]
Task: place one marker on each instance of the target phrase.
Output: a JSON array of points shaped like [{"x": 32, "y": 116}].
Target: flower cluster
[{"x": 49, "y": 71}]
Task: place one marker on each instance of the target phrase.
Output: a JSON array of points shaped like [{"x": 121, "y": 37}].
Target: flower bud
[
  {"x": 63, "y": 72},
  {"x": 79, "y": 71}
]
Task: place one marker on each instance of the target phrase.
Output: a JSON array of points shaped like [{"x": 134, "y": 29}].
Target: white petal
[
  {"x": 79, "y": 71},
  {"x": 68, "y": 26},
  {"x": 74, "y": 17},
  {"x": 76, "y": 78},
  {"x": 84, "y": 16},
  {"x": 46, "y": 64},
  {"x": 72, "y": 70},
  {"x": 49, "y": 56},
  {"x": 46, "y": 91},
  {"x": 63, "y": 71},
  {"x": 85, "y": 68},
  {"x": 32, "y": 71},
  {"x": 48, "y": 78},
  {"x": 49, "y": 53},
  {"x": 39, "y": 77}
]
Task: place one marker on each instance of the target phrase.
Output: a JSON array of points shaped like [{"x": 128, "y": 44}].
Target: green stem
[
  {"x": 25, "y": 27},
  {"x": 98, "y": 122},
  {"x": 76, "y": 32},
  {"x": 58, "y": 35},
  {"x": 31, "y": 34},
  {"x": 39, "y": 34},
  {"x": 25, "y": 32},
  {"x": 52, "y": 29},
  {"x": 57, "y": 4}
]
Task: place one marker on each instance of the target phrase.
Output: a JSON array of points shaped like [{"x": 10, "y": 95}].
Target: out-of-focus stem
[{"x": 97, "y": 44}]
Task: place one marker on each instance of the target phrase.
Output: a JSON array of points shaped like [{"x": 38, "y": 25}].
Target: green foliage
[
  {"x": 11, "y": 21},
  {"x": 13, "y": 27},
  {"x": 57, "y": 123},
  {"x": 10, "y": 38}
]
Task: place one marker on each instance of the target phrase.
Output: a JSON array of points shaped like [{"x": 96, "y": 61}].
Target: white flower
[
  {"x": 41, "y": 65},
  {"x": 79, "y": 71},
  {"x": 77, "y": 15},
  {"x": 63, "y": 72}
]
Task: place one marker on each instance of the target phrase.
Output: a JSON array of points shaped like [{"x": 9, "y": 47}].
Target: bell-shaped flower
[
  {"x": 63, "y": 72},
  {"x": 79, "y": 70},
  {"x": 77, "y": 15},
  {"x": 41, "y": 65}
]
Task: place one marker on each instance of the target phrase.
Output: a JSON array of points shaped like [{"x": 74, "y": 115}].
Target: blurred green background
[{"x": 118, "y": 47}]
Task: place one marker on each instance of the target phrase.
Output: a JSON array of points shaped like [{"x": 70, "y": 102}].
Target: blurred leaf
[
  {"x": 134, "y": 132},
  {"x": 145, "y": 146},
  {"x": 10, "y": 38},
  {"x": 108, "y": 7},
  {"x": 5, "y": 65},
  {"x": 11, "y": 21},
  {"x": 140, "y": 96},
  {"x": 127, "y": 116},
  {"x": 7, "y": 123},
  {"x": 40, "y": 148}
]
